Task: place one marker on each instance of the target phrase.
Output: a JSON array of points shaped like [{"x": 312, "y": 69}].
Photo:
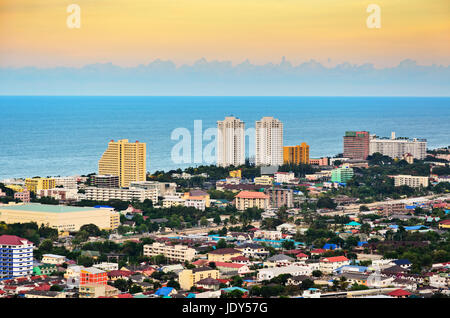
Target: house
[
  {"x": 223, "y": 254},
  {"x": 252, "y": 250},
  {"x": 445, "y": 224},
  {"x": 297, "y": 280},
  {"x": 287, "y": 227},
  {"x": 328, "y": 264},
  {"x": 230, "y": 289},
  {"x": 302, "y": 256},
  {"x": 165, "y": 292},
  {"x": 53, "y": 259},
  {"x": 241, "y": 260},
  {"x": 208, "y": 284},
  {"x": 350, "y": 269},
  {"x": 355, "y": 278},
  {"x": 440, "y": 280},
  {"x": 279, "y": 260},
  {"x": 232, "y": 268},
  {"x": 294, "y": 270},
  {"x": 403, "y": 263},
  {"x": 317, "y": 251}
]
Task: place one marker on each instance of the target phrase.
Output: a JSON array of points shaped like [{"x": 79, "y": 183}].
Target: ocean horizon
[{"x": 66, "y": 135}]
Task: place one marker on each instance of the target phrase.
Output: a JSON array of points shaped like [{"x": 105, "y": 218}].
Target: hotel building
[
  {"x": 36, "y": 184},
  {"x": 179, "y": 253},
  {"x": 398, "y": 147},
  {"x": 250, "y": 199},
  {"x": 410, "y": 181},
  {"x": 342, "y": 174},
  {"x": 296, "y": 154},
  {"x": 125, "y": 160},
  {"x": 269, "y": 142},
  {"x": 356, "y": 144},
  {"x": 230, "y": 142},
  {"x": 16, "y": 257},
  {"x": 128, "y": 194},
  {"x": 105, "y": 181},
  {"x": 60, "y": 217}
]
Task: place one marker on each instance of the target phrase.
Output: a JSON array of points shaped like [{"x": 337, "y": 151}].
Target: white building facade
[
  {"x": 230, "y": 142},
  {"x": 269, "y": 142},
  {"x": 397, "y": 147},
  {"x": 16, "y": 256}
]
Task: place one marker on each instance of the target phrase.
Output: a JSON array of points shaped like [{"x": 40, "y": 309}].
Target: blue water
[{"x": 49, "y": 136}]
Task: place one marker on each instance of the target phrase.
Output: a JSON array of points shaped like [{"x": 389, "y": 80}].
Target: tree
[
  {"x": 91, "y": 229},
  {"x": 135, "y": 289},
  {"x": 56, "y": 288},
  {"x": 288, "y": 244},
  {"x": 121, "y": 284},
  {"x": 221, "y": 244},
  {"x": 317, "y": 273},
  {"x": 174, "y": 284},
  {"x": 203, "y": 221},
  {"x": 85, "y": 261}
]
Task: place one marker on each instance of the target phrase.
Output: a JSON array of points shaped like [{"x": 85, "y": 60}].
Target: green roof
[{"x": 37, "y": 207}]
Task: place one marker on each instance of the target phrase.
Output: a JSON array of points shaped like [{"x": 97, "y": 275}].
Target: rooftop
[{"x": 37, "y": 207}]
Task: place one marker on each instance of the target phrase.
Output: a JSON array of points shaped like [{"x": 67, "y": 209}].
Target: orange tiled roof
[{"x": 252, "y": 195}]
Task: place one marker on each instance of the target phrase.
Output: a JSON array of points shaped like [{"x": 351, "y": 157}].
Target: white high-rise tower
[
  {"x": 230, "y": 142},
  {"x": 269, "y": 142}
]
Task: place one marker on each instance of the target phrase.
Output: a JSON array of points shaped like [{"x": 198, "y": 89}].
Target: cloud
[{"x": 204, "y": 77}]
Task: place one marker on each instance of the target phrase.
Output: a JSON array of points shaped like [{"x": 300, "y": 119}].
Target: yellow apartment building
[
  {"x": 125, "y": 160},
  {"x": 188, "y": 277},
  {"x": 37, "y": 184}
]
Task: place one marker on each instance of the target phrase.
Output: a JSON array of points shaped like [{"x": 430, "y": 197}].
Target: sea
[{"x": 66, "y": 135}]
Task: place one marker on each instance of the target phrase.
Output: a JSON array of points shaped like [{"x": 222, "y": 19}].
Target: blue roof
[
  {"x": 190, "y": 295},
  {"x": 328, "y": 246},
  {"x": 361, "y": 243},
  {"x": 360, "y": 268},
  {"x": 403, "y": 261},
  {"x": 164, "y": 291},
  {"x": 410, "y": 207},
  {"x": 229, "y": 289},
  {"x": 410, "y": 228},
  {"x": 103, "y": 206},
  {"x": 353, "y": 223}
]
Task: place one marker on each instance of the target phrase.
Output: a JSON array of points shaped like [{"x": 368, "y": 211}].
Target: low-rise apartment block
[{"x": 180, "y": 253}]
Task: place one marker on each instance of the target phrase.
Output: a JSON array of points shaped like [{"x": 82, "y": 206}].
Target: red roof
[
  {"x": 335, "y": 259},
  {"x": 232, "y": 265},
  {"x": 252, "y": 195},
  {"x": 318, "y": 251},
  {"x": 124, "y": 296},
  {"x": 44, "y": 287},
  {"x": 240, "y": 258},
  {"x": 13, "y": 240},
  {"x": 399, "y": 293},
  {"x": 445, "y": 222},
  {"x": 119, "y": 272},
  {"x": 301, "y": 255}
]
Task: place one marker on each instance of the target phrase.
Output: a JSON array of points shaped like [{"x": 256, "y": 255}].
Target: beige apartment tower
[
  {"x": 269, "y": 142},
  {"x": 124, "y": 159},
  {"x": 230, "y": 142}
]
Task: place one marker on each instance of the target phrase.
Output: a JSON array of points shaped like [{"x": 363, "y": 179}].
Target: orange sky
[{"x": 132, "y": 32}]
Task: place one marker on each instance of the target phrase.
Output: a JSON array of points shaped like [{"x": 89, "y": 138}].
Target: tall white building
[
  {"x": 16, "y": 256},
  {"x": 397, "y": 147},
  {"x": 230, "y": 142},
  {"x": 269, "y": 142}
]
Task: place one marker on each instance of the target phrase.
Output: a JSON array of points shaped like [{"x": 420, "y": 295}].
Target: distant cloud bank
[{"x": 222, "y": 78}]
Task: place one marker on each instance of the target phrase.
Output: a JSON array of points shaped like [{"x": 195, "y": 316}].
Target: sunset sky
[{"x": 133, "y": 32}]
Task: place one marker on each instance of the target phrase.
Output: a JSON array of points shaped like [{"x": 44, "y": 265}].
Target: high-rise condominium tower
[
  {"x": 230, "y": 142},
  {"x": 269, "y": 142},
  {"x": 356, "y": 145},
  {"x": 124, "y": 159}
]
